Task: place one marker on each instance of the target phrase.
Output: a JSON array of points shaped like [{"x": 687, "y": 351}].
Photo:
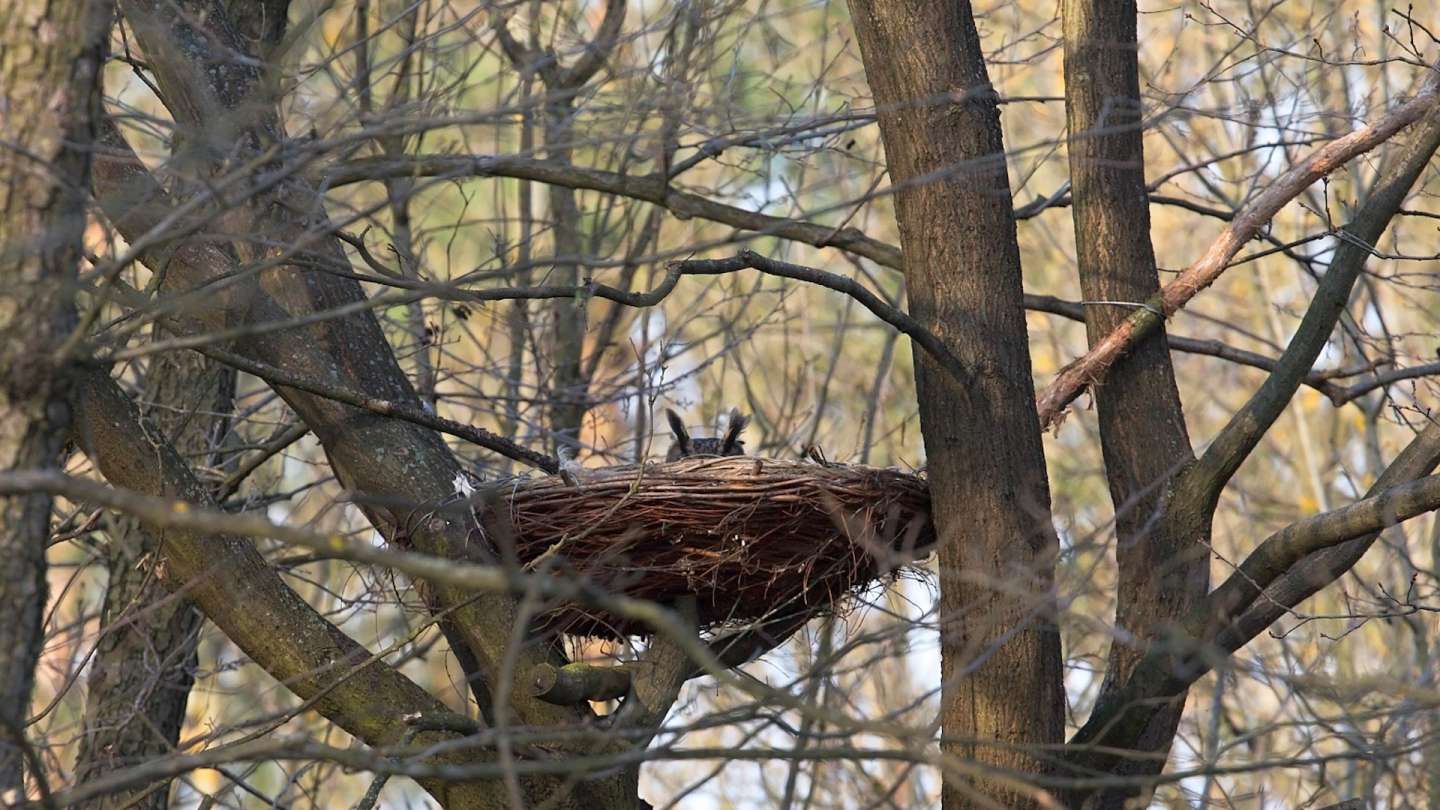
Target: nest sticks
[{"x": 732, "y": 540}]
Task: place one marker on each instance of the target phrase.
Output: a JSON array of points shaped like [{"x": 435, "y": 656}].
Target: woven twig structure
[{"x": 733, "y": 540}]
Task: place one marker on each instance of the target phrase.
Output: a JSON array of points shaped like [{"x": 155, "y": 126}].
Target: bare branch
[
  {"x": 844, "y": 284},
  {"x": 1244, "y": 430},
  {"x": 1094, "y": 365},
  {"x": 192, "y": 516},
  {"x": 597, "y": 50},
  {"x": 384, "y": 407},
  {"x": 224, "y": 575},
  {"x": 404, "y": 464},
  {"x": 1314, "y": 553},
  {"x": 647, "y": 188}
]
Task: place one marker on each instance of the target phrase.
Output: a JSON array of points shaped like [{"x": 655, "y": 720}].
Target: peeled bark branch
[
  {"x": 1243, "y": 432},
  {"x": 578, "y": 683},
  {"x": 1095, "y": 364}
]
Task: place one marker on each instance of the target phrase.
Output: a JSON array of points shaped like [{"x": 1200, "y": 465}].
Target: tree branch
[
  {"x": 647, "y": 188},
  {"x": 479, "y": 436},
  {"x": 1286, "y": 548},
  {"x": 577, "y": 683},
  {"x": 1219, "y": 625},
  {"x": 598, "y": 49},
  {"x": 223, "y": 574},
  {"x": 1333, "y": 543},
  {"x": 191, "y": 513},
  {"x": 1243, "y": 432},
  {"x": 844, "y": 284},
  {"x": 684, "y": 205},
  {"x": 396, "y": 462},
  {"x": 664, "y": 667},
  {"x": 1094, "y": 365}
]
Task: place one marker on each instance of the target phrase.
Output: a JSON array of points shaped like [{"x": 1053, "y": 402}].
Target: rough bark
[
  {"x": 1000, "y": 652},
  {"x": 144, "y": 664},
  {"x": 1164, "y": 569},
  {"x": 50, "y": 59}
]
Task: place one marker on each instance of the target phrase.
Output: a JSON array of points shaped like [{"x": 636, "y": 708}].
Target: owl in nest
[{"x": 728, "y": 445}]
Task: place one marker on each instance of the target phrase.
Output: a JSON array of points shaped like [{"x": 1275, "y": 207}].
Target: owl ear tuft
[
  {"x": 682, "y": 436},
  {"x": 733, "y": 446}
]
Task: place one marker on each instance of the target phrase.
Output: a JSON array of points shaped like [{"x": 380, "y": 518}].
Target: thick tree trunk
[
  {"x": 50, "y": 59},
  {"x": 144, "y": 666},
  {"x": 1000, "y": 650},
  {"x": 1164, "y": 570}
]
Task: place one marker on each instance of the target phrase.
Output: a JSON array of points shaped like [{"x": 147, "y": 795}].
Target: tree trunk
[
  {"x": 1164, "y": 570},
  {"x": 50, "y": 59},
  {"x": 1128, "y": 712},
  {"x": 417, "y": 467},
  {"x": 568, "y": 386},
  {"x": 144, "y": 665},
  {"x": 1000, "y": 651}
]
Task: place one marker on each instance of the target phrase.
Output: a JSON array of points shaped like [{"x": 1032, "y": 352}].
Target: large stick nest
[{"x": 732, "y": 540}]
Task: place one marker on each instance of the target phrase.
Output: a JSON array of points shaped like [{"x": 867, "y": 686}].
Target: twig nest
[{"x": 732, "y": 540}]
